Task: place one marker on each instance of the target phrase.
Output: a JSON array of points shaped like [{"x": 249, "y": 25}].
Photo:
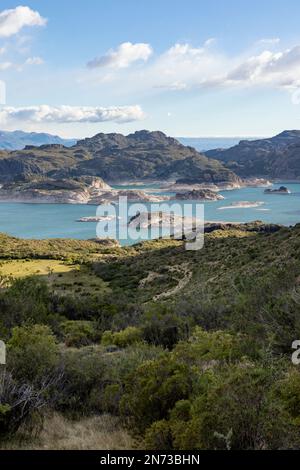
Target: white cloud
[
  {"x": 6, "y": 65},
  {"x": 184, "y": 67},
  {"x": 122, "y": 57},
  {"x": 2, "y": 50},
  {"x": 280, "y": 69},
  {"x": 185, "y": 50},
  {"x": 71, "y": 114},
  {"x": 13, "y": 20},
  {"x": 34, "y": 61}
]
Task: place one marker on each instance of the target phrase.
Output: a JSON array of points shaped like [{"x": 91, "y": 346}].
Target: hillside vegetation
[{"x": 182, "y": 349}]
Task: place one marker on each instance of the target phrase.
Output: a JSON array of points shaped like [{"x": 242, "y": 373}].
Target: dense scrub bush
[
  {"x": 203, "y": 347},
  {"x": 162, "y": 327},
  {"x": 152, "y": 390},
  {"x": 159, "y": 436},
  {"x": 288, "y": 392},
  {"x": 79, "y": 333},
  {"x": 33, "y": 353},
  {"x": 27, "y": 300},
  {"x": 231, "y": 401},
  {"x": 119, "y": 366},
  {"x": 84, "y": 372},
  {"x": 131, "y": 335}
]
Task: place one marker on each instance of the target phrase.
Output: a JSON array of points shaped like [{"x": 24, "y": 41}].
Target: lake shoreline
[{"x": 50, "y": 220}]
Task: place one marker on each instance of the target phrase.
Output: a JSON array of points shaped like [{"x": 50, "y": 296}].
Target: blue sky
[{"x": 192, "y": 68}]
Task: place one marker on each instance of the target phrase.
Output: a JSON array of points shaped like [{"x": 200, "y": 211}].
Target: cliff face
[
  {"x": 277, "y": 157},
  {"x": 114, "y": 157}
]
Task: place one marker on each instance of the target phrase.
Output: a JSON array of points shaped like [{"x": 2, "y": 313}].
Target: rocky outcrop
[
  {"x": 84, "y": 190},
  {"x": 148, "y": 220},
  {"x": 281, "y": 190},
  {"x": 75, "y": 191},
  {"x": 199, "y": 195},
  {"x": 112, "y": 197}
]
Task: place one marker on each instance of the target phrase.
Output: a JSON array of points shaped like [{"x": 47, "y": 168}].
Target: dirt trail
[{"x": 181, "y": 273}]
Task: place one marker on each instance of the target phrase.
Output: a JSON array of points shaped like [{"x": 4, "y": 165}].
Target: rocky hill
[
  {"x": 277, "y": 157},
  {"x": 114, "y": 157}
]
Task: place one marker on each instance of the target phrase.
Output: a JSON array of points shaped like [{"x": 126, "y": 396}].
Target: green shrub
[
  {"x": 109, "y": 400},
  {"x": 212, "y": 346},
  {"x": 159, "y": 436},
  {"x": 107, "y": 338},
  {"x": 152, "y": 390},
  {"x": 27, "y": 300},
  {"x": 79, "y": 332},
  {"x": 288, "y": 391},
  {"x": 161, "y": 327},
  {"x": 85, "y": 373},
  {"x": 32, "y": 352},
  {"x": 234, "y": 410},
  {"x": 131, "y": 335}
]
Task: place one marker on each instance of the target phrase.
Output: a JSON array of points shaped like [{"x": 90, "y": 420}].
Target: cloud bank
[
  {"x": 71, "y": 114},
  {"x": 13, "y": 20},
  {"x": 202, "y": 67},
  {"x": 184, "y": 67}
]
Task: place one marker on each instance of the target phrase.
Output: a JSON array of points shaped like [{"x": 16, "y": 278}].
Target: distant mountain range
[
  {"x": 17, "y": 140},
  {"x": 276, "y": 157},
  {"x": 203, "y": 144},
  {"x": 115, "y": 157},
  {"x": 148, "y": 155}
]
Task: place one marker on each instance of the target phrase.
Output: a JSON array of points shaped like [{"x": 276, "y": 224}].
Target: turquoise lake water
[{"x": 59, "y": 220}]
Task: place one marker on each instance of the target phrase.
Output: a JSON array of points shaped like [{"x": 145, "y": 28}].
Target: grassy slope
[
  {"x": 226, "y": 255},
  {"x": 149, "y": 269},
  {"x": 63, "y": 263},
  {"x": 164, "y": 270},
  {"x": 58, "y": 249}
]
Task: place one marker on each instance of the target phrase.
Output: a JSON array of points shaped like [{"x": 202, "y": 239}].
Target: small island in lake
[
  {"x": 199, "y": 195},
  {"x": 242, "y": 205},
  {"x": 281, "y": 190}
]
